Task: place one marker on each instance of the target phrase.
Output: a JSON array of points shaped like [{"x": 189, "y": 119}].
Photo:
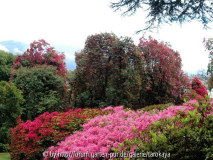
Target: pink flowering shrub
[
  {"x": 29, "y": 139},
  {"x": 104, "y": 134},
  {"x": 199, "y": 87},
  {"x": 198, "y": 90},
  {"x": 41, "y": 53},
  {"x": 188, "y": 135}
]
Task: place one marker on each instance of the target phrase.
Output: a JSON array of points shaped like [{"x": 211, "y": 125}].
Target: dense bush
[
  {"x": 198, "y": 91},
  {"x": 192, "y": 94},
  {"x": 185, "y": 136},
  {"x": 6, "y": 62},
  {"x": 107, "y": 134},
  {"x": 199, "y": 87},
  {"x": 29, "y": 139},
  {"x": 158, "y": 106},
  {"x": 43, "y": 90},
  {"x": 10, "y": 108}
]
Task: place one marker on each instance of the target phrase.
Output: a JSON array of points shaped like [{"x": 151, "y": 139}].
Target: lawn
[{"x": 5, "y": 156}]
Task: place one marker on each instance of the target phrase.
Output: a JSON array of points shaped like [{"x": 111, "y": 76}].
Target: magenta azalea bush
[
  {"x": 105, "y": 134},
  {"x": 199, "y": 87},
  {"x": 186, "y": 136}
]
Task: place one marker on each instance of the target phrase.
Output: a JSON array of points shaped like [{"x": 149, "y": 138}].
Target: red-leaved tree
[
  {"x": 107, "y": 71},
  {"x": 163, "y": 79},
  {"x": 113, "y": 71},
  {"x": 41, "y": 53}
]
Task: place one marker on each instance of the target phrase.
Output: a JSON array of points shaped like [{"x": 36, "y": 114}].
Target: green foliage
[
  {"x": 5, "y": 156},
  {"x": 6, "y": 62},
  {"x": 158, "y": 106},
  {"x": 43, "y": 90},
  {"x": 10, "y": 101},
  {"x": 185, "y": 136}
]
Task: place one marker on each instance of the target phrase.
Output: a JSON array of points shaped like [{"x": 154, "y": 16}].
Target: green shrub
[
  {"x": 6, "y": 62},
  {"x": 185, "y": 136},
  {"x": 10, "y": 109},
  {"x": 43, "y": 90},
  {"x": 158, "y": 106}
]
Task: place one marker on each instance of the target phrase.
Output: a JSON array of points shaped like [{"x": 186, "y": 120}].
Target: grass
[{"x": 5, "y": 156}]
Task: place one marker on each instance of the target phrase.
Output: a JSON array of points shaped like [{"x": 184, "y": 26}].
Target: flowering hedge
[
  {"x": 29, "y": 139},
  {"x": 107, "y": 133},
  {"x": 185, "y": 136}
]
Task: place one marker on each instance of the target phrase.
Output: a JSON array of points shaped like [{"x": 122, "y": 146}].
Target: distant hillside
[{"x": 17, "y": 47}]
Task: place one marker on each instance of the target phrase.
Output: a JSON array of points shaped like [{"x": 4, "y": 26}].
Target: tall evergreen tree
[{"x": 168, "y": 11}]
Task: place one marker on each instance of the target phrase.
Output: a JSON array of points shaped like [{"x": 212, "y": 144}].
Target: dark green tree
[
  {"x": 168, "y": 11},
  {"x": 6, "y": 62},
  {"x": 43, "y": 90},
  {"x": 10, "y": 108}
]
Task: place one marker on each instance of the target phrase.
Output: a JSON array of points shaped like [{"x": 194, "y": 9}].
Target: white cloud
[
  {"x": 17, "y": 50},
  {"x": 3, "y": 48},
  {"x": 70, "y": 56}
]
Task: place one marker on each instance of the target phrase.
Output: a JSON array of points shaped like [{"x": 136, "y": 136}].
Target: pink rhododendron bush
[
  {"x": 198, "y": 90},
  {"x": 29, "y": 139},
  {"x": 110, "y": 133},
  {"x": 199, "y": 87}
]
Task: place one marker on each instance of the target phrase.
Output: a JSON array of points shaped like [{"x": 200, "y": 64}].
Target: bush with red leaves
[{"x": 199, "y": 87}]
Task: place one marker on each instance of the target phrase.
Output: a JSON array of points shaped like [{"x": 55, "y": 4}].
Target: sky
[{"x": 69, "y": 22}]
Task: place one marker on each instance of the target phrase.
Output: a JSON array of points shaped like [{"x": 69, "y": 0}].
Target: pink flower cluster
[
  {"x": 103, "y": 133},
  {"x": 29, "y": 139},
  {"x": 41, "y": 53},
  {"x": 199, "y": 87}
]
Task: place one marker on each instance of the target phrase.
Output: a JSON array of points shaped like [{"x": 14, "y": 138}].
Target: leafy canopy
[
  {"x": 43, "y": 89},
  {"x": 163, "y": 78},
  {"x": 106, "y": 71},
  {"x": 10, "y": 108},
  {"x": 114, "y": 71},
  {"x": 168, "y": 11},
  {"x": 6, "y": 62}
]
